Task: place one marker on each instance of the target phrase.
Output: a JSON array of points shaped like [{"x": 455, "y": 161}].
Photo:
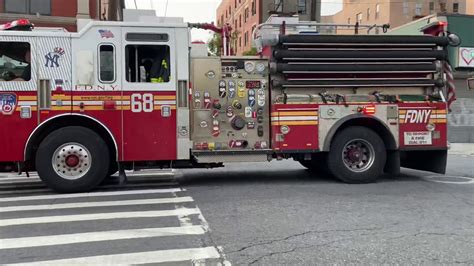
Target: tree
[
  {"x": 214, "y": 45},
  {"x": 252, "y": 51}
]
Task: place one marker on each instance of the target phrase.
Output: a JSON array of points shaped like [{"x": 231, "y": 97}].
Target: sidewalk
[{"x": 461, "y": 149}]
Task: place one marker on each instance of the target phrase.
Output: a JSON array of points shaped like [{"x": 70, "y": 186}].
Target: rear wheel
[
  {"x": 357, "y": 155},
  {"x": 72, "y": 159}
]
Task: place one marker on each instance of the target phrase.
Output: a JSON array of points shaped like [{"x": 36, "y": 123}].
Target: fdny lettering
[
  {"x": 417, "y": 116},
  {"x": 96, "y": 87}
]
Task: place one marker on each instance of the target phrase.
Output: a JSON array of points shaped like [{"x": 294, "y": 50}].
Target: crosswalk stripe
[
  {"x": 91, "y": 194},
  {"x": 160, "y": 256},
  {"x": 25, "y": 191},
  {"x": 59, "y": 206},
  {"x": 21, "y": 181},
  {"x": 51, "y": 240},
  {"x": 19, "y": 178},
  {"x": 22, "y": 185},
  {"x": 96, "y": 216}
]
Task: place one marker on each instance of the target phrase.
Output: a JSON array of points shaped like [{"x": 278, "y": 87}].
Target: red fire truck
[{"x": 78, "y": 107}]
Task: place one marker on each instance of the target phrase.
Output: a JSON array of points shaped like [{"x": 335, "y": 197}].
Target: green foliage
[
  {"x": 252, "y": 51},
  {"x": 214, "y": 45}
]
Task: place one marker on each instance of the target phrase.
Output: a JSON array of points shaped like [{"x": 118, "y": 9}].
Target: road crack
[{"x": 268, "y": 242}]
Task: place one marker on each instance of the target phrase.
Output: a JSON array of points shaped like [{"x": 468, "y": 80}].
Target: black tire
[
  {"x": 54, "y": 146},
  {"x": 355, "y": 164},
  {"x": 317, "y": 165},
  {"x": 113, "y": 168},
  {"x": 306, "y": 163}
]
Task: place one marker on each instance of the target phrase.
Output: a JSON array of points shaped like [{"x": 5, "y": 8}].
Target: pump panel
[{"x": 230, "y": 104}]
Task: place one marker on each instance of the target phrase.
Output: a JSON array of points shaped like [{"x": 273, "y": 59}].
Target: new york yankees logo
[{"x": 52, "y": 58}]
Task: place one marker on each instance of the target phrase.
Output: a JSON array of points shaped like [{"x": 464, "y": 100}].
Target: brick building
[
  {"x": 56, "y": 13},
  {"x": 394, "y": 12},
  {"x": 245, "y": 15}
]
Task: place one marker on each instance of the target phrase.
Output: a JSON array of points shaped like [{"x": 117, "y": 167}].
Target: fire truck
[{"x": 78, "y": 107}]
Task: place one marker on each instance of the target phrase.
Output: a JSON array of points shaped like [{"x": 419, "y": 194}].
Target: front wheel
[
  {"x": 357, "y": 155},
  {"x": 72, "y": 159}
]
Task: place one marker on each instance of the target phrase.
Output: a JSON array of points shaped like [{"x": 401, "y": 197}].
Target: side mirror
[
  {"x": 470, "y": 83},
  {"x": 454, "y": 40}
]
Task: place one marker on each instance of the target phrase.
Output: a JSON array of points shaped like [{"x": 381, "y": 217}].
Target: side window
[
  {"x": 15, "y": 61},
  {"x": 106, "y": 63},
  {"x": 147, "y": 63}
]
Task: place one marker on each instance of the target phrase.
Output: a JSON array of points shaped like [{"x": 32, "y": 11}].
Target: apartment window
[
  {"x": 431, "y": 7},
  {"x": 359, "y": 18},
  {"x": 418, "y": 7},
  {"x": 302, "y": 7},
  {"x": 455, "y": 7},
  {"x": 235, "y": 3},
  {"x": 226, "y": 15},
  {"x": 246, "y": 14},
  {"x": 442, "y": 7},
  {"x": 254, "y": 8},
  {"x": 278, "y": 5},
  {"x": 230, "y": 11},
  {"x": 246, "y": 38},
  {"x": 42, "y": 7},
  {"x": 240, "y": 21},
  {"x": 405, "y": 8},
  {"x": 222, "y": 19},
  {"x": 368, "y": 13},
  {"x": 240, "y": 41},
  {"x": 377, "y": 11}
]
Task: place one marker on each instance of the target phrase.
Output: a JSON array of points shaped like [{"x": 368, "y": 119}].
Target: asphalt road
[{"x": 262, "y": 214}]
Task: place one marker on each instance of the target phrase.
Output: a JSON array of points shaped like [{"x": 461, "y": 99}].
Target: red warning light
[
  {"x": 368, "y": 110},
  {"x": 442, "y": 23}
]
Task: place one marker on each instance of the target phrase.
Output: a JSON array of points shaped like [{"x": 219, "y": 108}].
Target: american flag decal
[{"x": 106, "y": 34}]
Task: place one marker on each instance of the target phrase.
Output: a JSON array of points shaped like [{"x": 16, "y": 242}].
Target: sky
[{"x": 203, "y": 10}]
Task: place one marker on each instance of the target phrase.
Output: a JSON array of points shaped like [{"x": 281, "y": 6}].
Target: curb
[{"x": 461, "y": 149}]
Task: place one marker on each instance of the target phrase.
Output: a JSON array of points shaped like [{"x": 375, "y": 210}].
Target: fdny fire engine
[{"x": 78, "y": 107}]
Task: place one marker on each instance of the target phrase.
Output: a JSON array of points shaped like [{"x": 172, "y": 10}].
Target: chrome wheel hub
[
  {"x": 358, "y": 155},
  {"x": 71, "y": 161}
]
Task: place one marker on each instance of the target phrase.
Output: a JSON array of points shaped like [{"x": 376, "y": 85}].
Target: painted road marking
[
  {"x": 59, "y": 206},
  {"x": 18, "y": 190},
  {"x": 41, "y": 241},
  {"x": 96, "y": 216},
  {"x": 160, "y": 256},
  {"x": 91, "y": 194},
  {"x": 436, "y": 179},
  {"x": 19, "y": 178}
]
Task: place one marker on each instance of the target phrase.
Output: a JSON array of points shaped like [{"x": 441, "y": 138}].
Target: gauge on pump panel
[
  {"x": 261, "y": 67},
  {"x": 249, "y": 66}
]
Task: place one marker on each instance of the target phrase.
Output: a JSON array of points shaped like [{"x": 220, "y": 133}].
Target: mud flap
[
  {"x": 431, "y": 161},
  {"x": 392, "y": 166}
]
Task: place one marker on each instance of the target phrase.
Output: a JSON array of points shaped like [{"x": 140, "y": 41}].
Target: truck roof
[{"x": 61, "y": 32}]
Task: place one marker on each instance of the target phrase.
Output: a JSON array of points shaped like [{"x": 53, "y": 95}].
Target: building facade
[
  {"x": 395, "y": 13},
  {"x": 245, "y": 15},
  {"x": 56, "y": 13}
]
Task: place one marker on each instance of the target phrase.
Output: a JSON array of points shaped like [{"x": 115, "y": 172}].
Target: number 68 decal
[{"x": 142, "y": 103}]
